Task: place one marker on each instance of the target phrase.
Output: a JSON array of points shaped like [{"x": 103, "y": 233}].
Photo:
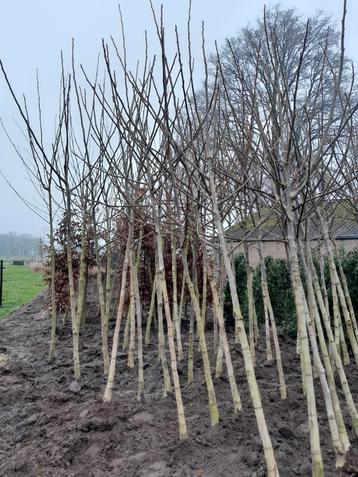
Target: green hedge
[
  {"x": 350, "y": 267},
  {"x": 279, "y": 284},
  {"x": 281, "y": 295}
]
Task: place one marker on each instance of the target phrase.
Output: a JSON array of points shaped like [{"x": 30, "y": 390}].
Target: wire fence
[{"x": 1, "y": 280}]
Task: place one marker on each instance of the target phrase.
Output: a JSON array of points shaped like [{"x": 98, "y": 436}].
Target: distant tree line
[{"x": 19, "y": 245}]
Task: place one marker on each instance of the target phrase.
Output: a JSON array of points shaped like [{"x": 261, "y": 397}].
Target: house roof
[
  {"x": 343, "y": 226},
  {"x": 347, "y": 231}
]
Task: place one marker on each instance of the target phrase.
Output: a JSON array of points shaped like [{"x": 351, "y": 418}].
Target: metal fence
[{"x": 1, "y": 280}]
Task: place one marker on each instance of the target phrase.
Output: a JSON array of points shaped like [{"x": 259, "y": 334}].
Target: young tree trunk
[
  {"x": 214, "y": 412},
  {"x": 101, "y": 294},
  {"x": 336, "y": 356},
  {"x": 71, "y": 284},
  {"x": 150, "y": 313},
  {"x": 183, "y": 433},
  {"x": 112, "y": 366},
  {"x": 191, "y": 348},
  {"x": 53, "y": 282},
  {"x": 336, "y": 440},
  {"x": 251, "y": 304},
  {"x": 310, "y": 314},
  {"x": 109, "y": 267},
  {"x": 271, "y": 317},
  {"x": 219, "y": 357},
  {"x": 182, "y": 304},
  {"x": 336, "y": 282},
  {"x": 312, "y": 297},
  {"x": 224, "y": 342},
  {"x": 132, "y": 311},
  {"x": 272, "y": 470},
  {"x": 316, "y": 456},
  {"x": 82, "y": 281},
  {"x": 336, "y": 317},
  {"x": 161, "y": 341},
  {"x": 323, "y": 280},
  {"x": 138, "y": 309},
  {"x": 173, "y": 245},
  {"x": 204, "y": 292},
  {"x": 127, "y": 327}
]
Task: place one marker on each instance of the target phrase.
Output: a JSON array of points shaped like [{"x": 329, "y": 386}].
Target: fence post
[{"x": 1, "y": 279}]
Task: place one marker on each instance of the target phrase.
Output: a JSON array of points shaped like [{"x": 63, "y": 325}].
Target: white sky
[{"x": 33, "y": 32}]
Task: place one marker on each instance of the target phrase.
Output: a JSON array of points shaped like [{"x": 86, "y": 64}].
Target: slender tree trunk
[
  {"x": 219, "y": 357},
  {"x": 316, "y": 456},
  {"x": 173, "y": 243},
  {"x": 138, "y": 309},
  {"x": 214, "y": 412},
  {"x": 251, "y": 305},
  {"x": 161, "y": 341},
  {"x": 126, "y": 329},
  {"x": 112, "y": 366},
  {"x": 101, "y": 294},
  {"x": 312, "y": 297},
  {"x": 204, "y": 293},
  {"x": 272, "y": 470},
  {"x": 109, "y": 267},
  {"x": 323, "y": 280},
  {"x": 336, "y": 317},
  {"x": 183, "y": 433},
  {"x": 271, "y": 317},
  {"x": 132, "y": 311},
  {"x": 71, "y": 284},
  {"x": 82, "y": 287},
  {"x": 182, "y": 306},
  {"x": 150, "y": 313},
  {"x": 225, "y": 345},
  {"x": 311, "y": 313},
  {"x": 53, "y": 282},
  {"x": 336, "y": 356},
  {"x": 336, "y": 282}
]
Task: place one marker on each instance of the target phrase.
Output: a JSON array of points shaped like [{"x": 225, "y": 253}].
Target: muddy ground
[{"x": 52, "y": 426}]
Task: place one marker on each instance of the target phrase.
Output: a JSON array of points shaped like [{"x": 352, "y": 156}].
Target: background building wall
[{"x": 277, "y": 249}]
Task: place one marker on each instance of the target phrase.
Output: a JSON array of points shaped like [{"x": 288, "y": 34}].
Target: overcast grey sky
[{"x": 33, "y": 32}]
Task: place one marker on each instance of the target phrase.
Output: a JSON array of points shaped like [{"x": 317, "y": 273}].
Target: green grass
[{"x": 21, "y": 284}]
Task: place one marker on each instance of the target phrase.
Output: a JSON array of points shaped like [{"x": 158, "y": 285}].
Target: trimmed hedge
[
  {"x": 350, "y": 267},
  {"x": 279, "y": 283}
]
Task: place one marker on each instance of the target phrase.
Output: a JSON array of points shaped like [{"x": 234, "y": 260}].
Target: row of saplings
[{"x": 250, "y": 287}]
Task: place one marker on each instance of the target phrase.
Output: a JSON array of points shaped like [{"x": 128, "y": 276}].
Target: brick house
[{"x": 343, "y": 226}]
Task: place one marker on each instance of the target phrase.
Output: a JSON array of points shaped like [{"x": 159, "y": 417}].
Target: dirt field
[{"x": 51, "y": 426}]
